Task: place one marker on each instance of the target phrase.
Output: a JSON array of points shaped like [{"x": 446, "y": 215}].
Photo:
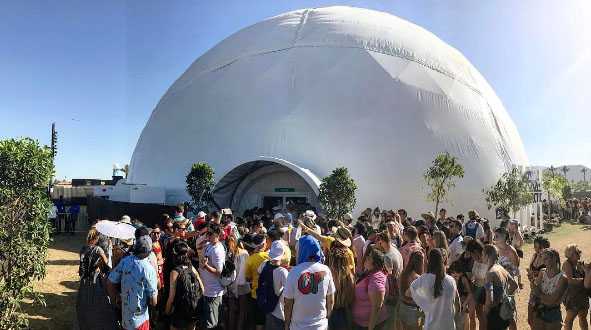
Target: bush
[{"x": 26, "y": 169}]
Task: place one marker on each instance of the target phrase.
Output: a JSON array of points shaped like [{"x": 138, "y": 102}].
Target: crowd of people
[
  {"x": 577, "y": 209},
  {"x": 287, "y": 270}
]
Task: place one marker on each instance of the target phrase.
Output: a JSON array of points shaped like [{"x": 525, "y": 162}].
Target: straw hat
[
  {"x": 343, "y": 236},
  {"x": 428, "y": 216}
]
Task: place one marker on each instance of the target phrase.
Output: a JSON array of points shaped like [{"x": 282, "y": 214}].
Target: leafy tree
[
  {"x": 337, "y": 193},
  {"x": 25, "y": 169},
  {"x": 440, "y": 177},
  {"x": 584, "y": 171},
  {"x": 200, "y": 181},
  {"x": 554, "y": 184},
  {"x": 511, "y": 192}
]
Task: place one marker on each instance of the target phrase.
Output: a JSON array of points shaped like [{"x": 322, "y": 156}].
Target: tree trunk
[{"x": 436, "y": 207}]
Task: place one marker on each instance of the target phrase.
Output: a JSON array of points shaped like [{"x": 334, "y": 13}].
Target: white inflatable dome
[{"x": 281, "y": 103}]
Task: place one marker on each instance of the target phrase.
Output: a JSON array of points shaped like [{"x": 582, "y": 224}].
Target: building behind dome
[{"x": 280, "y": 104}]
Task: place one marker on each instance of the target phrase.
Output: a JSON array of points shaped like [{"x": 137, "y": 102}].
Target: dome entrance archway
[{"x": 267, "y": 182}]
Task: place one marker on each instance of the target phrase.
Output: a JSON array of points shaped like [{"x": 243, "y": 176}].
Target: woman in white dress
[{"x": 436, "y": 294}]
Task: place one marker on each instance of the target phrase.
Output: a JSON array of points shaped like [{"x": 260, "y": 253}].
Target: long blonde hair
[
  {"x": 92, "y": 236},
  {"x": 440, "y": 240},
  {"x": 339, "y": 262}
]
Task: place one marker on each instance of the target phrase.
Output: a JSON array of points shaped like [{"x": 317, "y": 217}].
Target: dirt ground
[{"x": 61, "y": 283}]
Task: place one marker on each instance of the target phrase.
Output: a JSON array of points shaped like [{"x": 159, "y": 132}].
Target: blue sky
[{"x": 98, "y": 68}]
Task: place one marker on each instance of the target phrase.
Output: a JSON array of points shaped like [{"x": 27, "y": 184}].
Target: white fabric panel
[{"x": 330, "y": 87}]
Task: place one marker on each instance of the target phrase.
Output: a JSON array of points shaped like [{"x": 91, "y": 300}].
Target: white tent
[{"x": 315, "y": 89}]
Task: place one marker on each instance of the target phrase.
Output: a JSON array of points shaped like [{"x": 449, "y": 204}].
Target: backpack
[
  {"x": 471, "y": 229},
  {"x": 188, "y": 293},
  {"x": 266, "y": 297},
  {"x": 228, "y": 275},
  {"x": 89, "y": 259},
  {"x": 508, "y": 308}
]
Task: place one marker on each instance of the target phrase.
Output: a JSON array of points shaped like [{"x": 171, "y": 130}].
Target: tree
[
  {"x": 440, "y": 177},
  {"x": 564, "y": 170},
  {"x": 553, "y": 184},
  {"x": 25, "y": 169},
  {"x": 581, "y": 186},
  {"x": 125, "y": 170},
  {"x": 337, "y": 193},
  {"x": 511, "y": 192},
  {"x": 200, "y": 181},
  {"x": 584, "y": 171}
]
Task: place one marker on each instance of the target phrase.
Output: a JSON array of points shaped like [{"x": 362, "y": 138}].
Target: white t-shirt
[
  {"x": 440, "y": 311},
  {"x": 308, "y": 284},
  {"x": 216, "y": 255},
  {"x": 455, "y": 249},
  {"x": 394, "y": 260},
  {"x": 240, "y": 286},
  {"x": 52, "y": 212},
  {"x": 279, "y": 280}
]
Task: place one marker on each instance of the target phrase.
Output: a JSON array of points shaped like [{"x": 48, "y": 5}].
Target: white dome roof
[{"x": 330, "y": 87}]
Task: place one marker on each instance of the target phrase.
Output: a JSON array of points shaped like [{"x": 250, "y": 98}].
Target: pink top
[
  {"x": 407, "y": 249},
  {"x": 375, "y": 282}
]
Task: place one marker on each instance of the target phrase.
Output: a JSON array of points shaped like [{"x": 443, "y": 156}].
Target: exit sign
[{"x": 284, "y": 189}]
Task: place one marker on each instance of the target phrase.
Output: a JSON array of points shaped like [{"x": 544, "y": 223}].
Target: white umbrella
[{"x": 115, "y": 229}]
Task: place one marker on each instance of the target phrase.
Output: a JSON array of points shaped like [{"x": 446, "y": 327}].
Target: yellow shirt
[
  {"x": 251, "y": 270},
  {"x": 326, "y": 241}
]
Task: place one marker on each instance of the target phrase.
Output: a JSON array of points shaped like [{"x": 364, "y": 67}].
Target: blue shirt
[
  {"x": 138, "y": 284},
  {"x": 74, "y": 209},
  {"x": 61, "y": 208}
]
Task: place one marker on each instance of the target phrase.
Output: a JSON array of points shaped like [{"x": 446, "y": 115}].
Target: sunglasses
[{"x": 181, "y": 229}]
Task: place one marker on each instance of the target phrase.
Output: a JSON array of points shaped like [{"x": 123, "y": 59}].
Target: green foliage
[
  {"x": 26, "y": 168},
  {"x": 511, "y": 192},
  {"x": 581, "y": 186},
  {"x": 554, "y": 183},
  {"x": 200, "y": 181},
  {"x": 440, "y": 177},
  {"x": 337, "y": 193},
  {"x": 567, "y": 192}
]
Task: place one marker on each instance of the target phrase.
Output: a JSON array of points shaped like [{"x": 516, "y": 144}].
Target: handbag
[{"x": 508, "y": 308}]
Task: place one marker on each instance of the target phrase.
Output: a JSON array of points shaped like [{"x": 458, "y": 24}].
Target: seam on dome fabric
[
  {"x": 303, "y": 21},
  {"x": 402, "y": 56}
]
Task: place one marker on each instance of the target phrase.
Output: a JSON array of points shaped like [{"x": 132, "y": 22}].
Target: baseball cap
[
  {"x": 143, "y": 245},
  {"x": 278, "y": 216},
  {"x": 277, "y": 250},
  {"x": 201, "y": 214}
]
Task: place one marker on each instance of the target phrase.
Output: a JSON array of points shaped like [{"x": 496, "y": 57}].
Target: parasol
[{"x": 115, "y": 229}]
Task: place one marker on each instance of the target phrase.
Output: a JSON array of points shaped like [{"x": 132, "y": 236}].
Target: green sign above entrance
[{"x": 284, "y": 189}]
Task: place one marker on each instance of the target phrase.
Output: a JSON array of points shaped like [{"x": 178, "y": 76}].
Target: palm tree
[
  {"x": 584, "y": 171},
  {"x": 565, "y": 169},
  {"x": 125, "y": 170}
]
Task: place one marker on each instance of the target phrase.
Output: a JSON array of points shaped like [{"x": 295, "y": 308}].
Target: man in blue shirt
[
  {"x": 138, "y": 281},
  {"x": 74, "y": 210},
  {"x": 61, "y": 213}
]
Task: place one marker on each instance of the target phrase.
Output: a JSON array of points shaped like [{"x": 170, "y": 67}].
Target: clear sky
[{"x": 98, "y": 68}]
